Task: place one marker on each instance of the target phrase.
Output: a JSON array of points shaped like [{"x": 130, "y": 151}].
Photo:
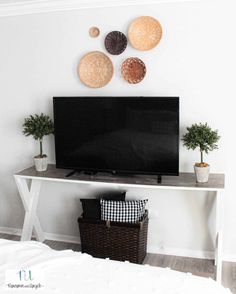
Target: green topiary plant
[
  {"x": 203, "y": 137},
  {"x": 38, "y": 126}
]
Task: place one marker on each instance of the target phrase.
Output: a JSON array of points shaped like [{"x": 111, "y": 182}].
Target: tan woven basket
[
  {"x": 94, "y": 32},
  {"x": 145, "y": 33},
  {"x": 95, "y": 69}
]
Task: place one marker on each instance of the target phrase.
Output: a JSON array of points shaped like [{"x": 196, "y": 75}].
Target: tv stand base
[
  {"x": 71, "y": 173},
  {"x": 159, "y": 179},
  {"x": 80, "y": 171},
  {"x": 91, "y": 173}
]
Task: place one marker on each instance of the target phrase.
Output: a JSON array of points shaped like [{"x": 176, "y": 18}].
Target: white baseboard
[
  {"x": 229, "y": 257},
  {"x": 62, "y": 238},
  {"x": 48, "y": 236},
  {"x": 181, "y": 252},
  {"x": 150, "y": 249},
  {"x": 10, "y": 231}
]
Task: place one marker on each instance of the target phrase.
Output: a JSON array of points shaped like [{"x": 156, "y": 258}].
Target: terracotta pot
[
  {"x": 202, "y": 173},
  {"x": 41, "y": 164}
]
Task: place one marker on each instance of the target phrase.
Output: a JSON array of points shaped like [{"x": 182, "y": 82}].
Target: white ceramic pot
[
  {"x": 41, "y": 164},
  {"x": 202, "y": 173}
]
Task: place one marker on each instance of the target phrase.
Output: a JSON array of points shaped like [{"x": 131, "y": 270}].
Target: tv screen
[{"x": 117, "y": 134}]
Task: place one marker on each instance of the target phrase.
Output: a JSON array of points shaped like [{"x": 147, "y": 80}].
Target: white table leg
[
  {"x": 30, "y": 201},
  {"x": 219, "y": 234}
]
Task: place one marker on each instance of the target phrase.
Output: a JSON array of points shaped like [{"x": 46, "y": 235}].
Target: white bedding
[{"x": 68, "y": 272}]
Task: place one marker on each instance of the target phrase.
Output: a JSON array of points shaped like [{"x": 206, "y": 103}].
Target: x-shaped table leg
[{"x": 30, "y": 199}]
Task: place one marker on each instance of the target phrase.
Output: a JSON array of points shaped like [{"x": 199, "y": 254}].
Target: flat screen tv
[{"x": 134, "y": 135}]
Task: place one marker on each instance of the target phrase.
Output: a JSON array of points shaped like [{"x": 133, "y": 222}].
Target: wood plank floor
[{"x": 200, "y": 267}]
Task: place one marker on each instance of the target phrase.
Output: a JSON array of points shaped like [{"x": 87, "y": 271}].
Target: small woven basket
[
  {"x": 133, "y": 70},
  {"x": 114, "y": 240}
]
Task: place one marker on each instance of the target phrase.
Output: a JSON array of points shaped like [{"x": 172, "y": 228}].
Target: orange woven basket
[{"x": 133, "y": 70}]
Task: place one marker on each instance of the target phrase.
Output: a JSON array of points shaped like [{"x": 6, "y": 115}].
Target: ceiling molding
[{"x": 22, "y": 7}]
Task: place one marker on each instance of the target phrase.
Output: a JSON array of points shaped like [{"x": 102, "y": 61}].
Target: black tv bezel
[{"x": 125, "y": 172}]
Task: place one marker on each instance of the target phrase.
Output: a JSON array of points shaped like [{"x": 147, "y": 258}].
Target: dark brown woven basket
[{"x": 114, "y": 240}]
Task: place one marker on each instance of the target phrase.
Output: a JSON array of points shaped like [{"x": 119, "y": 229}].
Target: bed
[{"x": 69, "y": 272}]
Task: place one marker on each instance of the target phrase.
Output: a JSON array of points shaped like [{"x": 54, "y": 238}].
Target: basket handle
[
  {"x": 143, "y": 220},
  {"x": 108, "y": 224},
  {"x": 141, "y": 225}
]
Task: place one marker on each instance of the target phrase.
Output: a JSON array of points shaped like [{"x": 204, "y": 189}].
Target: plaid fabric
[{"x": 123, "y": 211}]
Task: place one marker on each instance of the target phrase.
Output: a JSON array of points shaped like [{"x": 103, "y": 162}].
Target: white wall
[{"x": 195, "y": 60}]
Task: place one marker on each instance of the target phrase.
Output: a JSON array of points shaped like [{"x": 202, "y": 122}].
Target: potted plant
[
  {"x": 39, "y": 126},
  {"x": 203, "y": 137}
]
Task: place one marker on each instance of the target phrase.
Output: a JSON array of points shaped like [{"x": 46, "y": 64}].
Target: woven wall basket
[
  {"x": 94, "y": 32},
  {"x": 133, "y": 70},
  {"x": 115, "y": 42},
  {"x": 95, "y": 69},
  {"x": 145, "y": 33}
]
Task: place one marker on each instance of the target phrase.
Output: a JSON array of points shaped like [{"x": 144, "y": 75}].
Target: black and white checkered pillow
[{"x": 123, "y": 211}]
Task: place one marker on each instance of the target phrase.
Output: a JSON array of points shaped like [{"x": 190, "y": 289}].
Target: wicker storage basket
[{"x": 114, "y": 240}]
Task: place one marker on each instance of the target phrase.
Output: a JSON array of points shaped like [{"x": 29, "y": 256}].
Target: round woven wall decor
[
  {"x": 145, "y": 33},
  {"x": 115, "y": 42},
  {"x": 95, "y": 69},
  {"x": 133, "y": 70},
  {"x": 94, "y": 32}
]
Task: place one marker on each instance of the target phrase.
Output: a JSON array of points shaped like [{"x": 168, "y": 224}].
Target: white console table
[{"x": 185, "y": 181}]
